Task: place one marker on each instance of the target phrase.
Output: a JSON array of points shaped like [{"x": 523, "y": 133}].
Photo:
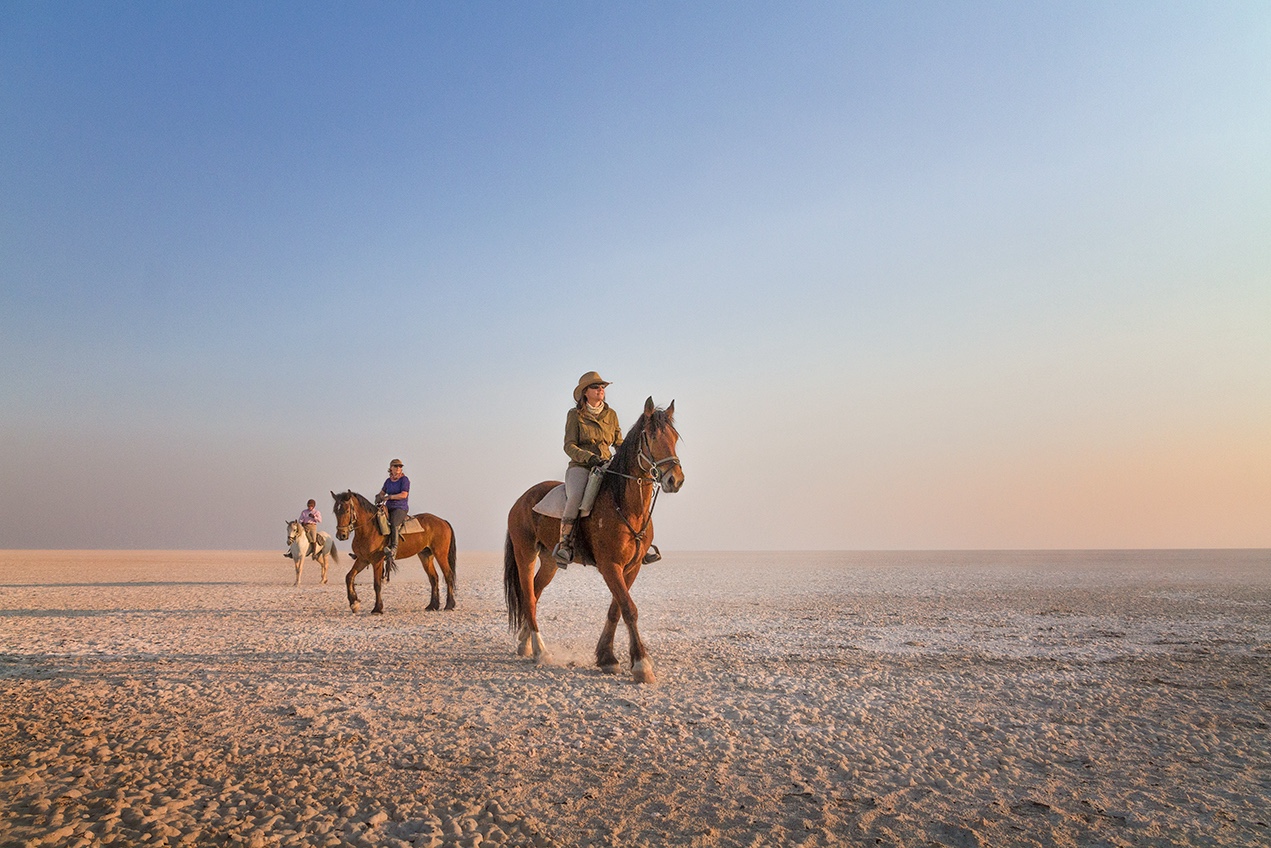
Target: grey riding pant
[{"x": 575, "y": 485}]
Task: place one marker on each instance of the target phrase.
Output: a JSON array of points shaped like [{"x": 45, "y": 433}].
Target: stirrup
[
  {"x": 563, "y": 553},
  {"x": 652, "y": 555}
]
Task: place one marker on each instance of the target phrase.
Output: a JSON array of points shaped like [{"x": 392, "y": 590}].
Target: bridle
[
  {"x": 655, "y": 471},
  {"x": 342, "y": 530},
  {"x": 649, "y": 466}
]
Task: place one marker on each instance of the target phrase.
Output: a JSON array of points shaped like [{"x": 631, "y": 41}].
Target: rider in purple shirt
[{"x": 396, "y": 492}]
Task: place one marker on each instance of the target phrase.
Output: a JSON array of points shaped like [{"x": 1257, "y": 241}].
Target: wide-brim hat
[
  {"x": 395, "y": 462},
  {"x": 591, "y": 378}
]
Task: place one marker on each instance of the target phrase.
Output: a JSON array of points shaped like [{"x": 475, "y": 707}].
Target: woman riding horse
[
  {"x": 395, "y": 493},
  {"x": 616, "y": 537},
  {"x": 433, "y": 539},
  {"x": 591, "y": 427}
]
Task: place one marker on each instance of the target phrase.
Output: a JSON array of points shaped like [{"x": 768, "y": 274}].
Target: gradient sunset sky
[{"x": 917, "y": 275}]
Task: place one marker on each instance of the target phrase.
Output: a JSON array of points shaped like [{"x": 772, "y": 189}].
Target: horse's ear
[
  {"x": 648, "y": 406},
  {"x": 670, "y": 410},
  {"x": 333, "y": 495}
]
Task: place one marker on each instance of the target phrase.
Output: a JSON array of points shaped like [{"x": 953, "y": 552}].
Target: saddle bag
[{"x": 594, "y": 479}]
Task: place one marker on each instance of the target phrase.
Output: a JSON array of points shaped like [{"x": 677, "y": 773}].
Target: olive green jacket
[{"x": 588, "y": 437}]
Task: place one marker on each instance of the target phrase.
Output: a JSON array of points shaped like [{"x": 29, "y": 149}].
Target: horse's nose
[{"x": 674, "y": 481}]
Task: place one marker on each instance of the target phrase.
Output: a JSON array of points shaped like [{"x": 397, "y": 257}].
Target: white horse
[{"x": 302, "y": 547}]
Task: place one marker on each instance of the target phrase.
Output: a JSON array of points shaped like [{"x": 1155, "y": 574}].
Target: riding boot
[
  {"x": 563, "y": 553},
  {"x": 390, "y": 549}
]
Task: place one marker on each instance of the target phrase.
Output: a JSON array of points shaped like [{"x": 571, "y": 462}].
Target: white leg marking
[{"x": 540, "y": 649}]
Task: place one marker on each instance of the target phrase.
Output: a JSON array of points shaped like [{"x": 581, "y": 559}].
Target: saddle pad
[{"x": 553, "y": 503}]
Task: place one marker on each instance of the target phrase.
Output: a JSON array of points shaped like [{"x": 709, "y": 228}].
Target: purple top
[
  {"x": 391, "y": 488},
  {"x": 310, "y": 516}
]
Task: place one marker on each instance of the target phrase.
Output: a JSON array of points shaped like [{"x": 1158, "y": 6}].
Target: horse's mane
[
  {"x": 625, "y": 457},
  {"x": 362, "y": 502}
]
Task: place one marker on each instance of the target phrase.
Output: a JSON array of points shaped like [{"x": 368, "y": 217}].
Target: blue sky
[{"x": 917, "y": 275}]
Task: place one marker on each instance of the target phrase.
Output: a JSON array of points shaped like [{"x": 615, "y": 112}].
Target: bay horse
[
  {"x": 301, "y": 546},
  {"x": 616, "y": 534},
  {"x": 355, "y": 516}
]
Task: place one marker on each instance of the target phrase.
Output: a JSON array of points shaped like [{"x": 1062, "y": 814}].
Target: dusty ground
[{"x": 178, "y": 698}]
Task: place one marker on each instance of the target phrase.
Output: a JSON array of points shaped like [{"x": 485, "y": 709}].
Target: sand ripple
[{"x": 958, "y": 699}]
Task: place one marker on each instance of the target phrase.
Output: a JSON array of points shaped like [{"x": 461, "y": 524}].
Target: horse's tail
[
  {"x": 453, "y": 554},
  {"x": 390, "y": 567},
  {"x": 512, "y": 592},
  {"x": 335, "y": 552}
]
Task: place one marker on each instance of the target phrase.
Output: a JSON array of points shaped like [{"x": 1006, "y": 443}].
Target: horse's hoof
[
  {"x": 355, "y": 607},
  {"x": 450, "y": 604},
  {"x": 541, "y": 656},
  {"x": 642, "y": 672},
  {"x": 524, "y": 651},
  {"x": 432, "y": 607},
  {"x": 609, "y": 668},
  {"x": 377, "y": 611}
]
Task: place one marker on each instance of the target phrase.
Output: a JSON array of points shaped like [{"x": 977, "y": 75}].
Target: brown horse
[
  {"x": 355, "y": 515},
  {"x": 615, "y": 537}
]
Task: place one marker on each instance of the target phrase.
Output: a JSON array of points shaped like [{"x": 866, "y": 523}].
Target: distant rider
[
  {"x": 395, "y": 493},
  {"x": 310, "y": 518},
  {"x": 591, "y": 428}
]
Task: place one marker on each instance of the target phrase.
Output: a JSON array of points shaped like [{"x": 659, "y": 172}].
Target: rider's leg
[
  {"x": 396, "y": 518},
  {"x": 575, "y": 485}
]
